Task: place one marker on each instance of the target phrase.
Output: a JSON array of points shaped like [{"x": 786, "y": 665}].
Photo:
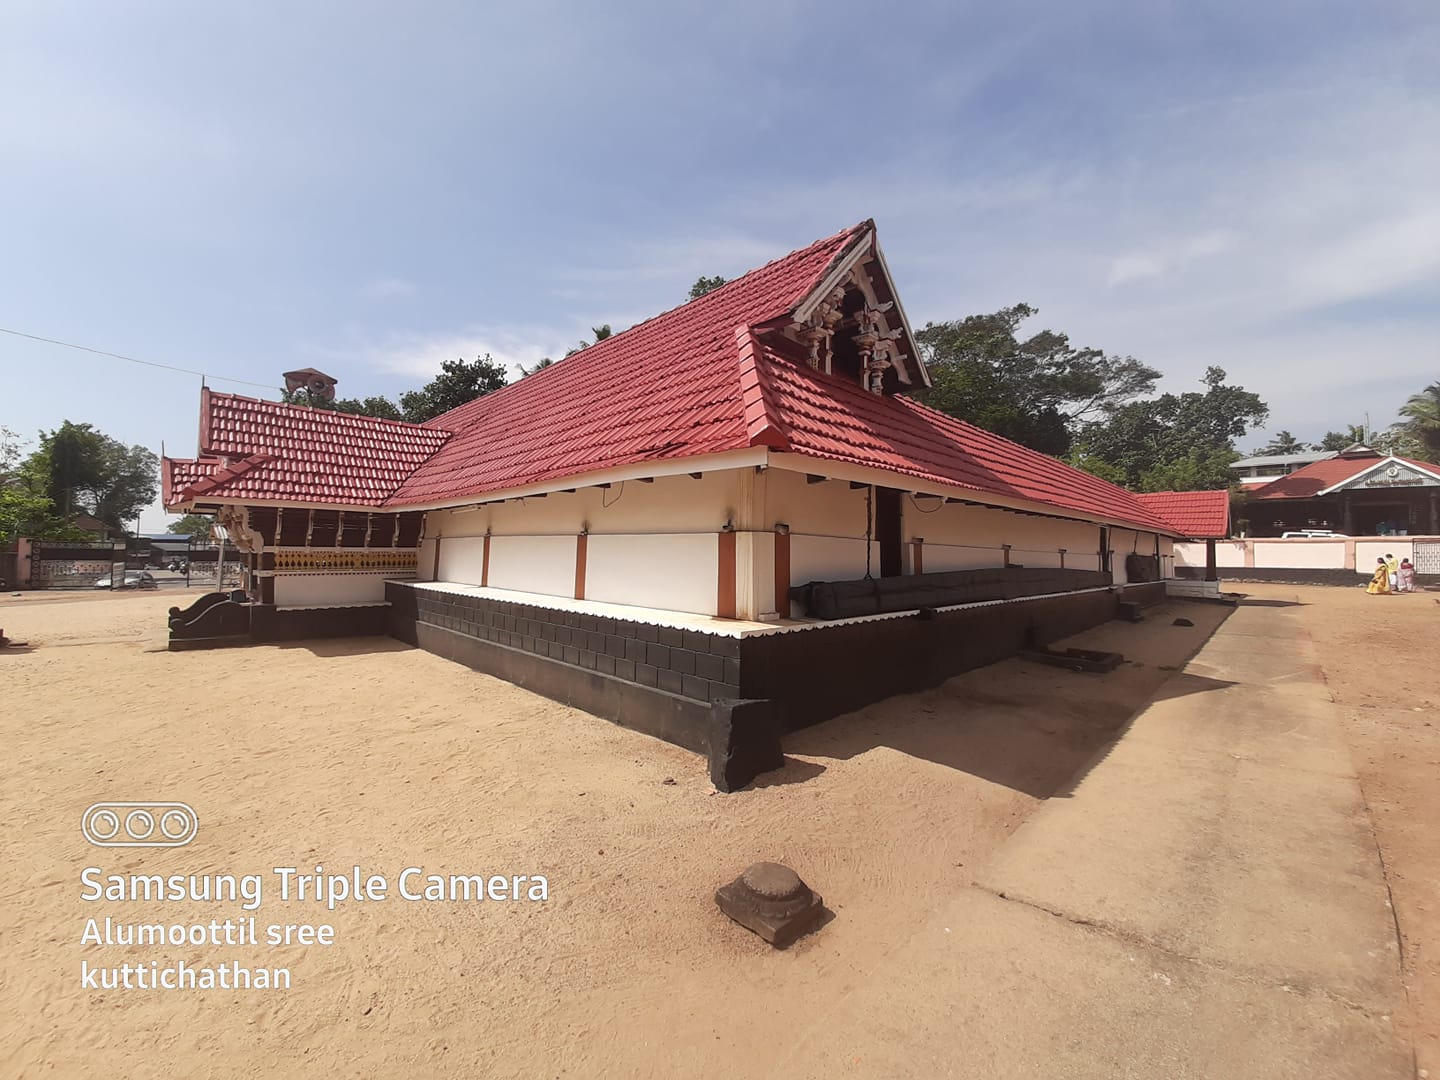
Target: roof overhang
[
  {"x": 1350, "y": 482},
  {"x": 869, "y": 475}
]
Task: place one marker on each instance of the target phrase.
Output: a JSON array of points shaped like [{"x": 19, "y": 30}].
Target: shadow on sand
[
  {"x": 1033, "y": 729},
  {"x": 327, "y": 648}
]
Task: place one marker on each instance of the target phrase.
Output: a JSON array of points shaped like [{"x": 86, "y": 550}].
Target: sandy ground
[
  {"x": 368, "y": 753},
  {"x": 1379, "y": 656}
]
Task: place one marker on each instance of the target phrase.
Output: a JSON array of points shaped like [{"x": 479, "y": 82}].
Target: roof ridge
[
  {"x": 762, "y": 428},
  {"x": 317, "y": 411},
  {"x": 714, "y": 296}
]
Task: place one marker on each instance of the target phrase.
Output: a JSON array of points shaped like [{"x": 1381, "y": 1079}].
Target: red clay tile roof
[
  {"x": 293, "y": 453},
  {"x": 827, "y": 416},
  {"x": 697, "y": 380},
  {"x": 1319, "y": 475},
  {"x": 1200, "y": 515},
  {"x": 667, "y": 388},
  {"x": 177, "y": 474}
]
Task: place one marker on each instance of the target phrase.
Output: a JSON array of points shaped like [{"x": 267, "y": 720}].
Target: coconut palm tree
[{"x": 1419, "y": 431}]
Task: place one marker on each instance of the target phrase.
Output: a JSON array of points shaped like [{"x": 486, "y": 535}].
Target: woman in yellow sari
[{"x": 1380, "y": 580}]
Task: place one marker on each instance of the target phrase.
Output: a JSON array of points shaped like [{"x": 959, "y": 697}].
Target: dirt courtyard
[{"x": 367, "y": 753}]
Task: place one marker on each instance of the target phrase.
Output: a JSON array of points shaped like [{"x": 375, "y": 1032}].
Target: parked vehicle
[
  {"x": 1313, "y": 534},
  {"x": 134, "y": 579}
]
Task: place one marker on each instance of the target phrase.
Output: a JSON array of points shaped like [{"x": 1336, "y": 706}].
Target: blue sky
[{"x": 373, "y": 188}]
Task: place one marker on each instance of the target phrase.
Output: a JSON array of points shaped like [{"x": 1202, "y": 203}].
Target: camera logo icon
[{"x": 140, "y": 824}]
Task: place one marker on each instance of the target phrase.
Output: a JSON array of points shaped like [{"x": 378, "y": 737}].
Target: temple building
[
  {"x": 1358, "y": 492},
  {"x": 724, "y": 523}
]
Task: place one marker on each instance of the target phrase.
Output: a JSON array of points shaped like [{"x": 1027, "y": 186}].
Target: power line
[{"x": 137, "y": 360}]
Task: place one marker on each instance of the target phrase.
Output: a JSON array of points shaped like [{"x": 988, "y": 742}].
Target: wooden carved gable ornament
[{"x": 853, "y": 324}]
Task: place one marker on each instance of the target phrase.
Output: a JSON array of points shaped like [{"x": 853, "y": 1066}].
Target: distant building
[
  {"x": 1254, "y": 471},
  {"x": 1357, "y": 491},
  {"x": 91, "y": 524}
]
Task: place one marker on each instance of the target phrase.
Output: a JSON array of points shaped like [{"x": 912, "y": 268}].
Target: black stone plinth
[{"x": 771, "y": 900}]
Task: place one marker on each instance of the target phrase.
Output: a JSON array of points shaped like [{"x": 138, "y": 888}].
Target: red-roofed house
[
  {"x": 1359, "y": 492},
  {"x": 661, "y": 513}
]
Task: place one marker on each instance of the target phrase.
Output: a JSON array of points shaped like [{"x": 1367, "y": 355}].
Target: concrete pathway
[{"x": 1207, "y": 901}]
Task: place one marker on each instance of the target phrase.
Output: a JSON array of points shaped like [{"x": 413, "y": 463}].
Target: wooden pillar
[
  {"x": 1434, "y": 512},
  {"x": 581, "y": 543},
  {"x": 485, "y": 563},
  {"x": 782, "y": 572},
  {"x": 1007, "y": 554},
  {"x": 725, "y": 586},
  {"x": 917, "y": 556},
  {"x": 1210, "y": 572},
  {"x": 1347, "y": 514},
  {"x": 435, "y": 576}
]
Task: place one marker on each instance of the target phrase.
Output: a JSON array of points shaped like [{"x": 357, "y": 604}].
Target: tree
[
  {"x": 457, "y": 384},
  {"x": 1339, "y": 440},
  {"x": 704, "y": 285},
  {"x": 1037, "y": 391},
  {"x": 1418, "y": 434},
  {"x": 25, "y": 509},
  {"x": 540, "y": 365},
  {"x": 377, "y": 406},
  {"x": 1283, "y": 443},
  {"x": 1200, "y": 469},
  {"x": 600, "y": 332},
  {"x": 194, "y": 525},
  {"x": 79, "y": 468},
  {"x": 1181, "y": 442}
]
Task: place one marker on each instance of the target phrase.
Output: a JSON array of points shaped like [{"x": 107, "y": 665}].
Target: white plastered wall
[
  {"x": 827, "y": 526},
  {"x": 1367, "y": 551},
  {"x": 650, "y": 545},
  {"x": 328, "y": 590},
  {"x": 1312, "y": 554},
  {"x": 827, "y": 534},
  {"x": 959, "y": 537},
  {"x": 675, "y": 571}
]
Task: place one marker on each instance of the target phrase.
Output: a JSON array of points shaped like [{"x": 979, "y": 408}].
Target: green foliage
[
  {"x": 1284, "y": 443},
  {"x": 1035, "y": 391},
  {"x": 540, "y": 365},
  {"x": 378, "y": 406},
  {"x": 600, "y": 332},
  {"x": 197, "y": 526},
  {"x": 1417, "y": 434},
  {"x": 1201, "y": 469},
  {"x": 26, "y": 513},
  {"x": 1096, "y": 466},
  {"x": 78, "y": 468},
  {"x": 381, "y": 407},
  {"x": 458, "y": 383},
  {"x": 1339, "y": 440},
  {"x": 1176, "y": 442},
  {"x": 704, "y": 285}
]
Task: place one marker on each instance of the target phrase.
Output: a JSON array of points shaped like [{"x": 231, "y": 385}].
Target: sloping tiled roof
[
  {"x": 699, "y": 379},
  {"x": 832, "y": 417},
  {"x": 1312, "y": 479},
  {"x": 667, "y": 388},
  {"x": 1200, "y": 515},
  {"x": 179, "y": 474},
  {"x": 293, "y": 453}
]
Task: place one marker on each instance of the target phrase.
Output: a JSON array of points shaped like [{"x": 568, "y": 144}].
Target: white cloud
[
  {"x": 420, "y": 355},
  {"x": 1376, "y": 257}
]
